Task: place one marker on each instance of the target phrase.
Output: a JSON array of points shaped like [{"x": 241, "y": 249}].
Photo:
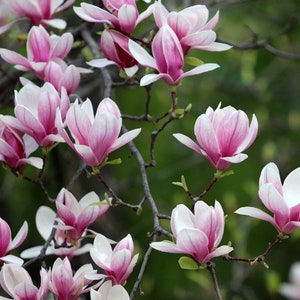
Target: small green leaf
[
  {"x": 187, "y": 263},
  {"x": 87, "y": 53},
  {"x": 177, "y": 183},
  {"x": 193, "y": 61}
]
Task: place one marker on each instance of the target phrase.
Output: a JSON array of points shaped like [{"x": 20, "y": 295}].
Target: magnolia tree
[{"x": 54, "y": 107}]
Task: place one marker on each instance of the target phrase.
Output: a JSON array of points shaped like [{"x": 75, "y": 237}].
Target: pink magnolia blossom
[
  {"x": 16, "y": 281},
  {"x": 62, "y": 245},
  {"x": 222, "y": 135},
  {"x": 117, "y": 263},
  {"x": 108, "y": 291},
  {"x": 61, "y": 75},
  {"x": 198, "y": 234},
  {"x": 283, "y": 200},
  {"x": 45, "y": 56},
  {"x": 14, "y": 148},
  {"x": 292, "y": 290},
  {"x": 75, "y": 215},
  {"x": 7, "y": 244},
  {"x": 114, "y": 46},
  {"x": 121, "y": 15},
  {"x": 41, "y": 12},
  {"x": 95, "y": 136},
  {"x": 191, "y": 27},
  {"x": 66, "y": 286},
  {"x": 41, "y": 48},
  {"x": 35, "y": 110},
  {"x": 167, "y": 60}
]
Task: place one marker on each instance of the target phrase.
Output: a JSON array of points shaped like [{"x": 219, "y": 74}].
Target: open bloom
[
  {"x": 7, "y": 244},
  {"x": 121, "y": 15},
  {"x": 16, "y": 281},
  {"x": 75, "y": 215},
  {"x": 198, "y": 234},
  {"x": 292, "y": 290},
  {"x": 114, "y": 46},
  {"x": 64, "y": 284},
  {"x": 222, "y": 135},
  {"x": 191, "y": 27},
  {"x": 15, "y": 149},
  {"x": 95, "y": 136},
  {"x": 62, "y": 245},
  {"x": 167, "y": 60},
  {"x": 283, "y": 200},
  {"x": 41, "y": 12},
  {"x": 35, "y": 110},
  {"x": 41, "y": 48},
  {"x": 117, "y": 263},
  {"x": 108, "y": 291}
]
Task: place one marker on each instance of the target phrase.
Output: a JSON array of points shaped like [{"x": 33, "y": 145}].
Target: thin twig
[{"x": 210, "y": 266}]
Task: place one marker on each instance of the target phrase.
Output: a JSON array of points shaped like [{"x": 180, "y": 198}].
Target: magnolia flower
[
  {"x": 75, "y": 215},
  {"x": 121, "y": 15},
  {"x": 191, "y": 27},
  {"x": 61, "y": 75},
  {"x": 108, "y": 291},
  {"x": 118, "y": 263},
  {"x": 16, "y": 281},
  {"x": 41, "y": 12},
  {"x": 114, "y": 46},
  {"x": 95, "y": 136},
  {"x": 167, "y": 60},
  {"x": 35, "y": 110},
  {"x": 66, "y": 286},
  {"x": 292, "y": 290},
  {"x": 7, "y": 244},
  {"x": 283, "y": 200},
  {"x": 222, "y": 135},
  {"x": 14, "y": 148},
  {"x": 198, "y": 234},
  {"x": 62, "y": 245},
  {"x": 41, "y": 48}
]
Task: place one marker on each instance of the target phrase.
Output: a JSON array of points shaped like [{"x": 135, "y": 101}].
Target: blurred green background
[{"x": 253, "y": 80}]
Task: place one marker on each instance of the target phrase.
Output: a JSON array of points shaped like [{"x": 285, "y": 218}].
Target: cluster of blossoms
[{"x": 45, "y": 116}]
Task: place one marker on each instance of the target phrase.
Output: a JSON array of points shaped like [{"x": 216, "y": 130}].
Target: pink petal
[
  {"x": 20, "y": 237},
  {"x": 255, "y": 213},
  {"x": 291, "y": 188},
  {"x": 185, "y": 140},
  {"x": 124, "y": 139}
]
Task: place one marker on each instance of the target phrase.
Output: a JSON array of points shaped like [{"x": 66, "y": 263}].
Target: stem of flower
[{"x": 210, "y": 266}]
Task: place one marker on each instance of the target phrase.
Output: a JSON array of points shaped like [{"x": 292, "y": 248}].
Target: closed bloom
[
  {"x": 198, "y": 234},
  {"x": 283, "y": 200},
  {"x": 114, "y": 45},
  {"x": 117, "y": 263},
  {"x": 108, "y": 291},
  {"x": 41, "y": 12},
  {"x": 16, "y": 281},
  {"x": 7, "y": 244},
  {"x": 121, "y": 15},
  {"x": 35, "y": 110},
  {"x": 75, "y": 215},
  {"x": 64, "y": 284},
  {"x": 95, "y": 136},
  {"x": 15, "y": 149},
  {"x": 222, "y": 135},
  {"x": 191, "y": 27},
  {"x": 292, "y": 290},
  {"x": 167, "y": 60}
]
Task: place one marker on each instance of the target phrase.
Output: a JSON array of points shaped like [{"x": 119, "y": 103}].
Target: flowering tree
[{"x": 106, "y": 105}]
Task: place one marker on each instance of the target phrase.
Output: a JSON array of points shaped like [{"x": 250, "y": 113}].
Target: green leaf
[
  {"x": 187, "y": 263},
  {"x": 193, "y": 61}
]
